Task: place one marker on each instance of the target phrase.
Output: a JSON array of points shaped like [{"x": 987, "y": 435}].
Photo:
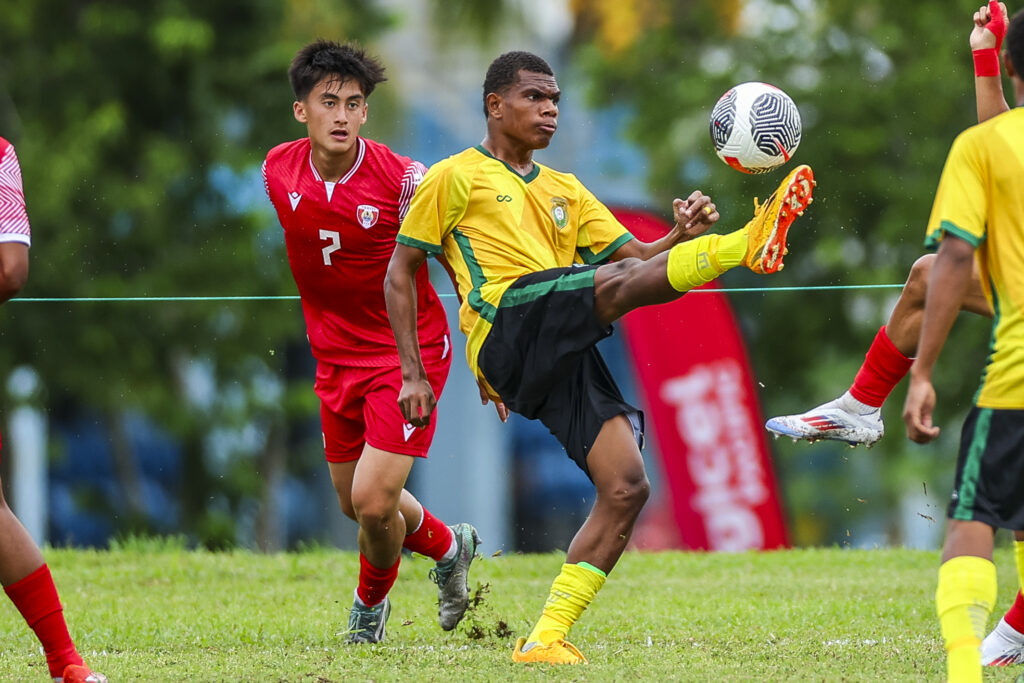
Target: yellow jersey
[
  {"x": 494, "y": 225},
  {"x": 981, "y": 200}
]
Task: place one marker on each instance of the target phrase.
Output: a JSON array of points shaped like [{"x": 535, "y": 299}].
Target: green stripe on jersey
[
  {"x": 968, "y": 490},
  {"x": 521, "y": 295},
  {"x": 996, "y": 315},
  {"x": 476, "y": 276},
  {"x": 590, "y": 258},
  {"x": 418, "y": 244},
  {"x": 525, "y": 178},
  {"x": 932, "y": 241}
]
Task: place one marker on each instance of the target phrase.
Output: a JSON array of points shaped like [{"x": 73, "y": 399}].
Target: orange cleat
[
  {"x": 766, "y": 231},
  {"x": 556, "y": 652}
]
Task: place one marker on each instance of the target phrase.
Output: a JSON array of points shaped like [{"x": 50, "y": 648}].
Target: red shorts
[{"x": 359, "y": 406}]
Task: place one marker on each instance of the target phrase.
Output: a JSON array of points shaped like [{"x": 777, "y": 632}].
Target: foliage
[
  {"x": 151, "y": 612},
  {"x": 883, "y": 89},
  {"x": 140, "y": 128}
]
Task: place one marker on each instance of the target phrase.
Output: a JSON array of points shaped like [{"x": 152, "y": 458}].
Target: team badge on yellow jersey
[{"x": 560, "y": 211}]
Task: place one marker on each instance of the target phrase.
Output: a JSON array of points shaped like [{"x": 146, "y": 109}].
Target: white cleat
[
  {"x": 1003, "y": 647},
  {"x": 843, "y": 419}
]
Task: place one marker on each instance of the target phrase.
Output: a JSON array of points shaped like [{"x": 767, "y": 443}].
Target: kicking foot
[{"x": 843, "y": 419}]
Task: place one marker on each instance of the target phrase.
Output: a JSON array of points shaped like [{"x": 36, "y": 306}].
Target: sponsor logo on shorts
[{"x": 407, "y": 430}]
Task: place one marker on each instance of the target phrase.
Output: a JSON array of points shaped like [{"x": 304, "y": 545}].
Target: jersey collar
[
  {"x": 526, "y": 178},
  {"x": 351, "y": 172}
]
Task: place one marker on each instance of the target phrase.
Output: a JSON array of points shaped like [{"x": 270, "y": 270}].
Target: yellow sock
[
  {"x": 693, "y": 263},
  {"x": 571, "y": 592},
  {"x": 963, "y": 600},
  {"x": 1018, "y": 554}
]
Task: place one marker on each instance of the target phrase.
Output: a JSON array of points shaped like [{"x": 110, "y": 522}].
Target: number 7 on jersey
[{"x": 335, "y": 244}]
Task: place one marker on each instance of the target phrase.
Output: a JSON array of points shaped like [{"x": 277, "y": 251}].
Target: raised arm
[
  {"x": 986, "y": 40},
  {"x": 693, "y": 216},
  {"x": 416, "y": 399}
]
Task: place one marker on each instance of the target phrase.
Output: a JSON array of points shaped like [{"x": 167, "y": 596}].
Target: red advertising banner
[{"x": 719, "y": 490}]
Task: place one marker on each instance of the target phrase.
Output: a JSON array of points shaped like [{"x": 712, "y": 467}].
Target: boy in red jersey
[
  {"x": 340, "y": 199},
  {"x": 25, "y": 577}
]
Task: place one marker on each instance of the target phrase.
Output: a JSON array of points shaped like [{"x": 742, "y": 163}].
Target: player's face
[
  {"x": 333, "y": 113},
  {"x": 528, "y": 112}
]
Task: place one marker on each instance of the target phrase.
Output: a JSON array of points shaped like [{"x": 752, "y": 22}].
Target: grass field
[{"x": 152, "y": 611}]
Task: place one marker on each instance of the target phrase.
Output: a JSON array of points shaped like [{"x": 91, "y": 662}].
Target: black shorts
[
  {"x": 989, "y": 485},
  {"x": 540, "y": 357}
]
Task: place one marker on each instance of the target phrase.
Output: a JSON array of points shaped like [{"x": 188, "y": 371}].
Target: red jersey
[
  {"x": 340, "y": 237},
  {"x": 13, "y": 218}
]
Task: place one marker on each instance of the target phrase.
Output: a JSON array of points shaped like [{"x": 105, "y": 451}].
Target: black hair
[
  {"x": 324, "y": 58},
  {"x": 1014, "y": 42},
  {"x": 503, "y": 72}
]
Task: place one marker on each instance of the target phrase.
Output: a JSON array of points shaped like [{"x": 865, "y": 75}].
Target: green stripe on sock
[{"x": 590, "y": 567}]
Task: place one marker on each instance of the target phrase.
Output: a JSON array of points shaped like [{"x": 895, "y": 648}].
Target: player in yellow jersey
[
  {"x": 978, "y": 216},
  {"x": 526, "y": 245}
]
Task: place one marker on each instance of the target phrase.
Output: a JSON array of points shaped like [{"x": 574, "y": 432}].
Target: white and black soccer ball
[{"x": 755, "y": 127}]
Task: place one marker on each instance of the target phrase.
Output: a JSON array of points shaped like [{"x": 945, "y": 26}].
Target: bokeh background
[{"x": 141, "y": 128}]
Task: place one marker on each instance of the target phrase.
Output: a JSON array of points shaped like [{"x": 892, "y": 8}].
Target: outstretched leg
[
  {"x": 628, "y": 284},
  {"x": 856, "y": 416}
]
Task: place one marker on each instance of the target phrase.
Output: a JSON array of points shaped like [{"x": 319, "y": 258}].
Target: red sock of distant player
[
  {"x": 431, "y": 538},
  {"x": 35, "y": 596},
  {"x": 884, "y": 366},
  {"x": 1015, "y": 615},
  {"x": 375, "y": 583}
]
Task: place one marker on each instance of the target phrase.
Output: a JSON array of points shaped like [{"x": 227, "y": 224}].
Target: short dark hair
[
  {"x": 1014, "y": 42},
  {"x": 323, "y": 58},
  {"x": 503, "y": 72}
]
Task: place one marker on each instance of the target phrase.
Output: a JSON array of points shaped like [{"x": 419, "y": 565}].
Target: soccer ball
[{"x": 755, "y": 127}]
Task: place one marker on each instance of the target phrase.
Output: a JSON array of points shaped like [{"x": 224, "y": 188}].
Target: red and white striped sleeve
[
  {"x": 410, "y": 181},
  {"x": 266, "y": 183},
  {"x": 13, "y": 217}
]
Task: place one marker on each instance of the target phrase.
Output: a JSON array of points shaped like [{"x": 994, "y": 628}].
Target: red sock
[
  {"x": 35, "y": 596},
  {"x": 432, "y": 538},
  {"x": 375, "y": 583},
  {"x": 884, "y": 366},
  {"x": 1015, "y": 615}
]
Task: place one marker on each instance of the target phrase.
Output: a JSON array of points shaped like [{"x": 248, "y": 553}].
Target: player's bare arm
[
  {"x": 693, "y": 216},
  {"x": 416, "y": 399},
  {"x": 986, "y": 40},
  {"x": 13, "y": 269},
  {"x": 950, "y": 281}
]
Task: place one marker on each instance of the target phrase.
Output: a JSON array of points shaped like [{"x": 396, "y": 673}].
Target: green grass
[{"x": 153, "y": 611}]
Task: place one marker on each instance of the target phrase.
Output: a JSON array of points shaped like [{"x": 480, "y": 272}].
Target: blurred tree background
[
  {"x": 141, "y": 126},
  {"x": 136, "y": 125}
]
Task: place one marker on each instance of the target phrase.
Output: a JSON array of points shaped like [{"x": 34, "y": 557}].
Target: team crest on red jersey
[{"x": 367, "y": 215}]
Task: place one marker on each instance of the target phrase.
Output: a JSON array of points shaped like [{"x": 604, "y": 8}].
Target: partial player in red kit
[
  {"x": 340, "y": 199},
  {"x": 23, "y": 573}
]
